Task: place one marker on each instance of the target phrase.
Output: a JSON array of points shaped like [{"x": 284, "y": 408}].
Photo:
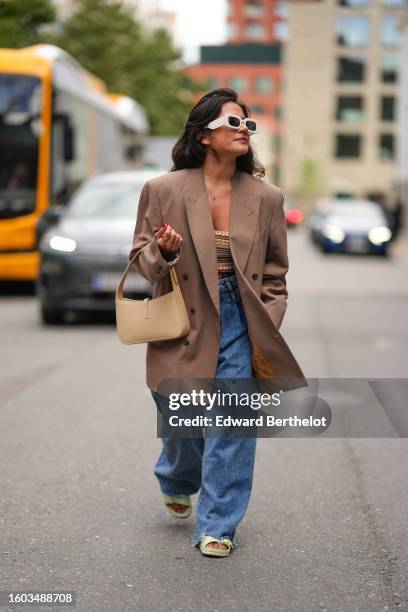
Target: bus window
[
  {"x": 69, "y": 145},
  {"x": 19, "y": 139}
]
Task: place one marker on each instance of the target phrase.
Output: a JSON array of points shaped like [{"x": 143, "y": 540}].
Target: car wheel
[{"x": 51, "y": 316}]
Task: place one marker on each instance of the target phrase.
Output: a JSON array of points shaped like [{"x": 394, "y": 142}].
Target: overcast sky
[{"x": 198, "y": 23}]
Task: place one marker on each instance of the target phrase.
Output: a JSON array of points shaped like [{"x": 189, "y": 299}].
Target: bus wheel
[{"x": 51, "y": 316}]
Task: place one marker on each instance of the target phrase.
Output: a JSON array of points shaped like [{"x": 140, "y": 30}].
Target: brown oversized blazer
[{"x": 259, "y": 250}]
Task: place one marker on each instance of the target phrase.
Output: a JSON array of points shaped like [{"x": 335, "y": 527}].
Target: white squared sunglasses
[{"x": 234, "y": 121}]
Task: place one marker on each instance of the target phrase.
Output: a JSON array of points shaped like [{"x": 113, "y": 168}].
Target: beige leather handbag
[{"x": 151, "y": 319}]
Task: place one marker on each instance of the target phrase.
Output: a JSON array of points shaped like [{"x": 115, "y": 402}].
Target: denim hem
[
  {"x": 195, "y": 540},
  {"x": 178, "y": 494}
]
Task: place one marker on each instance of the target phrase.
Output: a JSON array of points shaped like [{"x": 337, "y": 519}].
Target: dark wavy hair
[{"x": 189, "y": 152}]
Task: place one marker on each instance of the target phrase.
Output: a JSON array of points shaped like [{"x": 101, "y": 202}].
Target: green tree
[
  {"x": 310, "y": 183},
  {"x": 106, "y": 38},
  {"x": 22, "y": 21}
]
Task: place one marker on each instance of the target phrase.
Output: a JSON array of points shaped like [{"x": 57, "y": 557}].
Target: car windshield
[
  {"x": 106, "y": 200},
  {"x": 367, "y": 211}
]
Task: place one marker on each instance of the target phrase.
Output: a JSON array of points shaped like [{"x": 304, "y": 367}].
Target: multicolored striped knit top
[{"x": 225, "y": 264}]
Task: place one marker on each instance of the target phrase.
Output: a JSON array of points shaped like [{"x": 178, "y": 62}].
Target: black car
[{"x": 86, "y": 249}]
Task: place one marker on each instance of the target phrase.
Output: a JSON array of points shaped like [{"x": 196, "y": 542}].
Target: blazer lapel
[
  {"x": 245, "y": 206},
  {"x": 244, "y": 213}
]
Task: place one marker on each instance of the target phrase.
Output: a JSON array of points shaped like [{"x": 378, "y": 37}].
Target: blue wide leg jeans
[{"x": 219, "y": 468}]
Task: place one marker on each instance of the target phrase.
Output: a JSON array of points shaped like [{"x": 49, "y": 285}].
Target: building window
[
  {"x": 231, "y": 30},
  {"x": 386, "y": 146},
  {"x": 348, "y": 146},
  {"x": 354, "y": 3},
  {"x": 263, "y": 84},
  {"x": 278, "y": 113},
  {"x": 281, "y": 9},
  {"x": 390, "y": 36},
  {"x": 389, "y": 68},
  {"x": 212, "y": 82},
  {"x": 352, "y": 30},
  {"x": 253, "y": 8},
  {"x": 238, "y": 83},
  {"x": 351, "y": 69},
  {"x": 387, "y": 108},
  {"x": 256, "y": 108},
  {"x": 255, "y": 30},
  {"x": 280, "y": 30},
  {"x": 349, "y": 109}
]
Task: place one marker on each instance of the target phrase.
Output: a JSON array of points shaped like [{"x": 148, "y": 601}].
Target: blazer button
[
  {"x": 192, "y": 310},
  {"x": 159, "y": 268},
  {"x": 255, "y": 276},
  {"x": 186, "y": 341},
  {"x": 185, "y": 276}
]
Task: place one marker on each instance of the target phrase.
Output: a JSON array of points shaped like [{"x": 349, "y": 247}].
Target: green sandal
[
  {"x": 214, "y": 552},
  {"x": 184, "y": 500}
]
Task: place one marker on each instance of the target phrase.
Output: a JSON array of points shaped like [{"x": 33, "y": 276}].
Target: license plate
[
  {"x": 357, "y": 244},
  {"x": 108, "y": 281}
]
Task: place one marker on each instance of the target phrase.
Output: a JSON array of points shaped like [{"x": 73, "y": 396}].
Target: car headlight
[
  {"x": 333, "y": 232},
  {"x": 378, "y": 235},
  {"x": 61, "y": 243}
]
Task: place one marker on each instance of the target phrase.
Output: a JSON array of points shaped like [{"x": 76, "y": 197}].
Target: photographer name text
[{"x": 261, "y": 420}]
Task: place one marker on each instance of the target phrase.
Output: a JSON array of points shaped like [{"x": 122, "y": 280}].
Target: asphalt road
[{"x": 79, "y": 505}]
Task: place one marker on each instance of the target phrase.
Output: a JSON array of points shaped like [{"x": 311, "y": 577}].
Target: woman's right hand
[{"x": 168, "y": 239}]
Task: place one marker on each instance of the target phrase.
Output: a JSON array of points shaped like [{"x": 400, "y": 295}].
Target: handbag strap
[{"x": 119, "y": 288}]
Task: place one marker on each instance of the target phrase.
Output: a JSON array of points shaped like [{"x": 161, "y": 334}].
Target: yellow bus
[{"x": 58, "y": 126}]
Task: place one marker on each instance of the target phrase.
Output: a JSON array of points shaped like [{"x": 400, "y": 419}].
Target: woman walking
[{"x": 224, "y": 229}]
